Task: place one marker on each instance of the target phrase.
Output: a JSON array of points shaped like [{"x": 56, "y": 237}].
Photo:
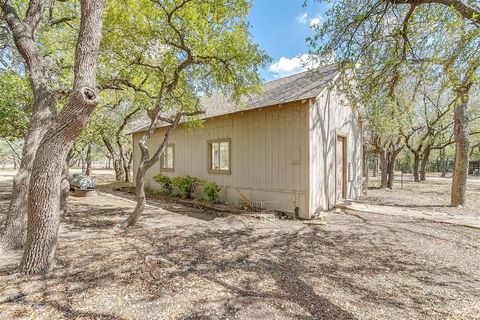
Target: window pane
[
  {"x": 223, "y": 156},
  {"x": 215, "y": 156},
  {"x": 167, "y": 158},
  {"x": 220, "y": 155}
]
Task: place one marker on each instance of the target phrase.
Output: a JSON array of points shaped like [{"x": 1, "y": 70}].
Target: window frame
[
  {"x": 162, "y": 159},
  {"x": 210, "y": 159}
]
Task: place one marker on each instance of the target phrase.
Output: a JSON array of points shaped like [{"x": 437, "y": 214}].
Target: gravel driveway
[{"x": 176, "y": 266}]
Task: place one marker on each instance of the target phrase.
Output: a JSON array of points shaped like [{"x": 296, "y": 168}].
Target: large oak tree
[{"x": 392, "y": 37}]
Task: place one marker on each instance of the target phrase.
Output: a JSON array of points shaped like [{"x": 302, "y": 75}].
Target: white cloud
[
  {"x": 287, "y": 66},
  {"x": 302, "y": 18},
  {"x": 315, "y": 21}
]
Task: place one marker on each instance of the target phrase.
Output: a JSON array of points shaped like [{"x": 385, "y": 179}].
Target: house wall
[
  {"x": 329, "y": 116},
  {"x": 269, "y": 155}
]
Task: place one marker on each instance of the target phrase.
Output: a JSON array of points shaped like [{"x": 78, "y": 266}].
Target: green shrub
[
  {"x": 186, "y": 186},
  {"x": 211, "y": 190},
  {"x": 166, "y": 183}
]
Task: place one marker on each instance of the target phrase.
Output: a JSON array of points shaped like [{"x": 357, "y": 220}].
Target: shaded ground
[
  {"x": 175, "y": 266},
  {"x": 430, "y": 196}
]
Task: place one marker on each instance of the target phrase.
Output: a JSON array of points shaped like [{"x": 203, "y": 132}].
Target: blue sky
[{"x": 280, "y": 28}]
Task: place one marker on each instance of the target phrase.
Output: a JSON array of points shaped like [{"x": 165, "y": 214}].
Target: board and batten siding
[
  {"x": 330, "y": 116},
  {"x": 269, "y": 155}
]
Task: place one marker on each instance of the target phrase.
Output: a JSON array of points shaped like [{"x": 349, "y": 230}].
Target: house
[{"x": 297, "y": 147}]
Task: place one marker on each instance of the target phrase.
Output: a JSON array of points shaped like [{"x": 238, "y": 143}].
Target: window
[
  {"x": 219, "y": 156},
  {"x": 166, "y": 161}
]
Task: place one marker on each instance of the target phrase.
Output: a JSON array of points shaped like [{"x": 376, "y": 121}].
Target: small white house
[{"x": 296, "y": 148}]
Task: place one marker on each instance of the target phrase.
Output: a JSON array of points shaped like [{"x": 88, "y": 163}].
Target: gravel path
[{"x": 176, "y": 266}]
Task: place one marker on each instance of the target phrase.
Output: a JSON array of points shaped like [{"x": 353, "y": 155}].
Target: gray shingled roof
[{"x": 296, "y": 87}]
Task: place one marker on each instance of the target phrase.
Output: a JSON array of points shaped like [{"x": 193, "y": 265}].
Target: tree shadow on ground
[{"x": 297, "y": 272}]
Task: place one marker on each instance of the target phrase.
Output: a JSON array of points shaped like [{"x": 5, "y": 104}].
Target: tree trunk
[
  {"x": 123, "y": 163},
  {"x": 416, "y": 166},
  {"x": 88, "y": 168},
  {"x": 64, "y": 188},
  {"x": 443, "y": 163},
  {"x": 391, "y": 166},
  {"x": 424, "y": 163},
  {"x": 365, "y": 162},
  {"x": 24, "y": 32},
  {"x": 375, "y": 167},
  {"x": 145, "y": 163},
  {"x": 462, "y": 145},
  {"x": 384, "y": 169},
  {"x": 118, "y": 167},
  {"x": 44, "y": 190},
  {"x": 123, "y": 157},
  {"x": 130, "y": 162},
  {"x": 15, "y": 230},
  {"x": 117, "y": 164}
]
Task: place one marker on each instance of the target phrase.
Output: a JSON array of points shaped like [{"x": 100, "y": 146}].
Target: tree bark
[
  {"x": 424, "y": 163},
  {"x": 24, "y": 32},
  {"x": 123, "y": 162},
  {"x": 462, "y": 145},
  {"x": 384, "y": 169},
  {"x": 375, "y": 168},
  {"x": 117, "y": 164},
  {"x": 443, "y": 163},
  {"x": 123, "y": 156},
  {"x": 44, "y": 190},
  {"x": 129, "y": 165},
  {"x": 88, "y": 160},
  {"x": 416, "y": 166},
  {"x": 146, "y": 162},
  {"x": 392, "y": 160}
]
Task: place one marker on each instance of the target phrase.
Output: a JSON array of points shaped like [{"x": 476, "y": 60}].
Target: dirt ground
[
  {"x": 430, "y": 196},
  {"x": 206, "y": 266}
]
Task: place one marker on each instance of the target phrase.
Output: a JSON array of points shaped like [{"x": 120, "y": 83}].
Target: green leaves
[
  {"x": 146, "y": 42},
  {"x": 15, "y": 104}
]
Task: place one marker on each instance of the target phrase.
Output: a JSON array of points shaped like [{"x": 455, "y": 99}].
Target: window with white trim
[
  {"x": 219, "y": 156},
  {"x": 167, "y": 159}
]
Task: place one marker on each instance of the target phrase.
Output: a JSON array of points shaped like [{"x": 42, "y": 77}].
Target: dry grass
[{"x": 176, "y": 266}]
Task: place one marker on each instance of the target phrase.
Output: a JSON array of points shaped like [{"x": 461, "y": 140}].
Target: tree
[
  {"x": 392, "y": 37},
  {"x": 193, "y": 48},
  {"x": 25, "y": 35},
  {"x": 50, "y": 138},
  {"x": 32, "y": 49},
  {"x": 113, "y": 120}
]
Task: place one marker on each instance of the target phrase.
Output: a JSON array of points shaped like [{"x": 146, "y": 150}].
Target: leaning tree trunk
[
  {"x": 145, "y": 163},
  {"x": 88, "y": 160},
  {"x": 15, "y": 230},
  {"x": 462, "y": 145},
  {"x": 24, "y": 33},
  {"x": 44, "y": 190}
]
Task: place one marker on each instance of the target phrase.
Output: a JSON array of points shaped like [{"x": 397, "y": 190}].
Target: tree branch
[{"x": 465, "y": 10}]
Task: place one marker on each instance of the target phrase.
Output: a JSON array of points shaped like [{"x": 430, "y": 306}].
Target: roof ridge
[{"x": 299, "y": 73}]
